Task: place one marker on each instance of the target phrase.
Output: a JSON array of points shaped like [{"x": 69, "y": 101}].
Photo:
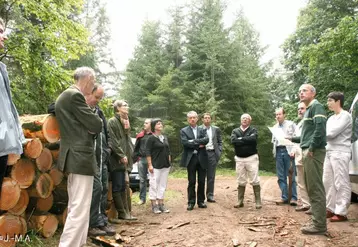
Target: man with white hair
[
  {"x": 79, "y": 126},
  {"x": 244, "y": 140},
  {"x": 195, "y": 159}
]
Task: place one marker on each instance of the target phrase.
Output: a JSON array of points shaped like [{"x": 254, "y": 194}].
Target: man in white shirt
[{"x": 214, "y": 149}]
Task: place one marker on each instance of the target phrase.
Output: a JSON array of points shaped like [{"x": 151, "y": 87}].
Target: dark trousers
[
  {"x": 118, "y": 181},
  {"x": 3, "y": 166},
  {"x": 193, "y": 168},
  {"x": 143, "y": 174},
  {"x": 210, "y": 174},
  {"x": 99, "y": 199}
]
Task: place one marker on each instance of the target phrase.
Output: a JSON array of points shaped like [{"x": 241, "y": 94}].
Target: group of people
[
  {"x": 94, "y": 151},
  {"x": 320, "y": 160}
]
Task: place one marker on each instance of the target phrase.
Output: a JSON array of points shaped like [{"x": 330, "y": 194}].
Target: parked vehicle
[
  {"x": 134, "y": 178},
  {"x": 353, "y": 166}
]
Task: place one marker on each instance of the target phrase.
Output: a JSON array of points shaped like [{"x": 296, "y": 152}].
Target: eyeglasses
[{"x": 301, "y": 108}]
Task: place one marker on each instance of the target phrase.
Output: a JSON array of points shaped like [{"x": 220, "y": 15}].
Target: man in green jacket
[
  {"x": 313, "y": 142},
  {"x": 79, "y": 126},
  {"x": 121, "y": 162}
]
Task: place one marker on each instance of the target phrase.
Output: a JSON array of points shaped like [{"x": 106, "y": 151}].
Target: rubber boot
[
  {"x": 240, "y": 196},
  {"x": 127, "y": 214},
  {"x": 118, "y": 203},
  {"x": 257, "y": 192}
]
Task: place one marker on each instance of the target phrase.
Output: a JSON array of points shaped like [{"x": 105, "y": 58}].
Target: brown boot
[
  {"x": 240, "y": 196},
  {"x": 257, "y": 192}
]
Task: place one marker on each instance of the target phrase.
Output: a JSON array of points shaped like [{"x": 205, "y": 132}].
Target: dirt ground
[{"x": 222, "y": 225}]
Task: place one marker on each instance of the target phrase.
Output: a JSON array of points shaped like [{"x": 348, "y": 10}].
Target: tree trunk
[
  {"x": 33, "y": 148},
  {"x": 12, "y": 159},
  {"x": 44, "y": 127},
  {"x": 56, "y": 175},
  {"x": 44, "y": 161},
  {"x": 23, "y": 172},
  {"x": 11, "y": 226},
  {"x": 10, "y": 194},
  {"x": 22, "y": 203},
  {"x": 44, "y": 224},
  {"x": 42, "y": 187}
]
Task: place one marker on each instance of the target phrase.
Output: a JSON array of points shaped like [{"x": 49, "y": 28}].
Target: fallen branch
[
  {"x": 179, "y": 225},
  {"x": 248, "y": 222},
  {"x": 137, "y": 234},
  {"x": 265, "y": 224}
]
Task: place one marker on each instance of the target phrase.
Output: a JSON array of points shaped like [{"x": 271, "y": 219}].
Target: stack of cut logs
[{"x": 34, "y": 194}]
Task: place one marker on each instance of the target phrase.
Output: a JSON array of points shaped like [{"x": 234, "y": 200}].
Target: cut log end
[
  {"x": 56, "y": 176},
  {"x": 21, "y": 205},
  {"x": 12, "y": 159},
  {"x": 10, "y": 194},
  {"x": 10, "y": 226},
  {"x": 51, "y": 129},
  {"x": 44, "y": 185},
  {"x": 23, "y": 172},
  {"x": 44, "y": 204},
  {"x": 45, "y": 224},
  {"x": 33, "y": 148},
  {"x": 44, "y": 161}
]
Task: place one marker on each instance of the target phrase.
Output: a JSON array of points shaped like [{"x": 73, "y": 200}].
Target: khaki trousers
[
  {"x": 79, "y": 188},
  {"x": 301, "y": 186},
  {"x": 247, "y": 169}
]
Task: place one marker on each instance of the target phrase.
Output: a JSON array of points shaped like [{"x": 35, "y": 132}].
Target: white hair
[
  {"x": 192, "y": 113},
  {"x": 83, "y": 72},
  {"x": 246, "y": 115}
]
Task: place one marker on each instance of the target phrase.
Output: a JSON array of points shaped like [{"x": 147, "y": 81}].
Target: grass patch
[
  {"x": 34, "y": 240},
  {"x": 225, "y": 172}
]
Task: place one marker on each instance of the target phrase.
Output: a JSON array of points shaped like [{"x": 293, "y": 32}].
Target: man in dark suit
[
  {"x": 79, "y": 126},
  {"x": 214, "y": 149},
  {"x": 195, "y": 159}
]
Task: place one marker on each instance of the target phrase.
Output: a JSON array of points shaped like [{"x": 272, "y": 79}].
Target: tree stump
[
  {"x": 23, "y": 172},
  {"x": 44, "y": 161},
  {"x": 46, "y": 225},
  {"x": 21, "y": 205},
  {"x": 10, "y": 194},
  {"x": 33, "y": 148}
]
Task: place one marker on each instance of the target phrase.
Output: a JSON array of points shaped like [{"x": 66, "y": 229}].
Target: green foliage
[
  {"x": 322, "y": 50},
  {"x": 43, "y": 37},
  {"x": 203, "y": 67}
]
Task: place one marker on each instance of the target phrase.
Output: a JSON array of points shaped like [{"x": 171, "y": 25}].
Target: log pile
[{"x": 33, "y": 193}]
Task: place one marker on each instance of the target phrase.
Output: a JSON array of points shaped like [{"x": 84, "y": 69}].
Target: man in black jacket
[
  {"x": 244, "y": 140},
  {"x": 195, "y": 159}
]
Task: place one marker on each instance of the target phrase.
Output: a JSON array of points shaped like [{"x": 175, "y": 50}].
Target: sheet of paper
[{"x": 280, "y": 137}]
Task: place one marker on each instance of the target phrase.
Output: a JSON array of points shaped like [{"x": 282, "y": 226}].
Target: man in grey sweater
[{"x": 336, "y": 164}]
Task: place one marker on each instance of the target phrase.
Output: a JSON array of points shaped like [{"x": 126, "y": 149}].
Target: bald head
[{"x": 96, "y": 96}]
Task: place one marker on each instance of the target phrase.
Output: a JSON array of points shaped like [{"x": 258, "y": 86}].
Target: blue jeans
[
  {"x": 143, "y": 174},
  {"x": 282, "y": 166}
]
